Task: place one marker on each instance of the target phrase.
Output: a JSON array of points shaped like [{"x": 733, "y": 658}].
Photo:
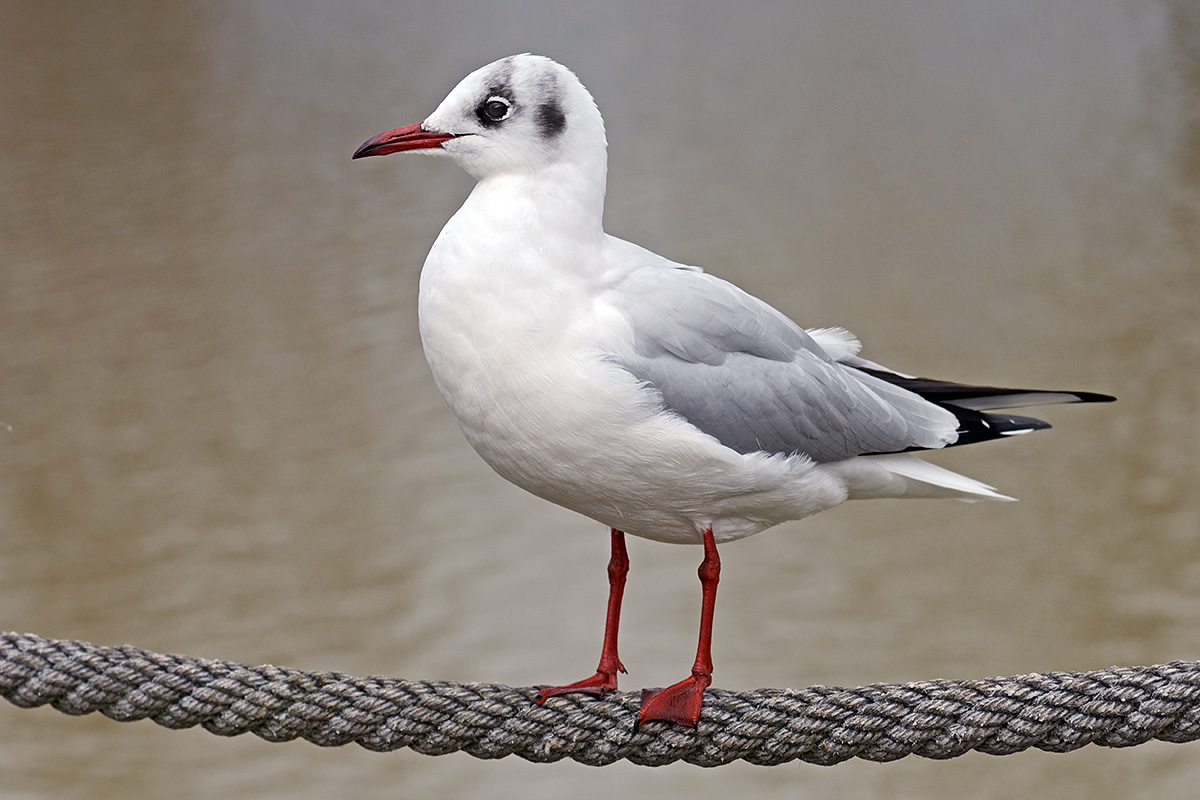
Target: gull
[{"x": 648, "y": 395}]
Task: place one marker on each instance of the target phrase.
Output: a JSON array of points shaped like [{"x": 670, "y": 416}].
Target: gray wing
[{"x": 747, "y": 375}]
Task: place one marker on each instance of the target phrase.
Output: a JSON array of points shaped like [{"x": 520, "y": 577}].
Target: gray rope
[{"x": 1055, "y": 711}]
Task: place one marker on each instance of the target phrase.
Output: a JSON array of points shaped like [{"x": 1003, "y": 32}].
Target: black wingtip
[
  {"x": 969, "y": 396},
  {"x": 978, "y": 426},
  {"x": 1093, "y": 397}
]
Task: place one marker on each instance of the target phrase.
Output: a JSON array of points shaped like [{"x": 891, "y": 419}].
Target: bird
[{"x": 651, "y": 396}]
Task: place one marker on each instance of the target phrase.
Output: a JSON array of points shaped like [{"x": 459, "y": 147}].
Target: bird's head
[{"x": 516, "y": 115}]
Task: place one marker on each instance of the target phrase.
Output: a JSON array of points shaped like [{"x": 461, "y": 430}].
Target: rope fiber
[{"x": 1054, "y": 711}]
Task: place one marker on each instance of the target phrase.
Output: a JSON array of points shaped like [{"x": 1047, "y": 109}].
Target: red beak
[{"x": 414, "y": 137}]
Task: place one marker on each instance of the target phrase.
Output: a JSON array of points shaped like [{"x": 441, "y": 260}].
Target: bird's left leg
[
  {"x": 681, "y": 702},
  {"x": 605, "y": 679}
]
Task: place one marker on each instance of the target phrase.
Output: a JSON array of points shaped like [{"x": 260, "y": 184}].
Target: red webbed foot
[
  {"x": 599, "y": 684},
  {"x": 679, "y": 703}
]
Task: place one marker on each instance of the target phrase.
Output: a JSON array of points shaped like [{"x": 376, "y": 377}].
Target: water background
[{"x": 225, "y": 441}]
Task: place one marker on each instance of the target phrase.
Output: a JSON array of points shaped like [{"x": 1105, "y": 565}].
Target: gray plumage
[{"x": 742, "y": 372}]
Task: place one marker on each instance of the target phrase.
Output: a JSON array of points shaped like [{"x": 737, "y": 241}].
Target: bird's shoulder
[{"x": 680, "y": 311}]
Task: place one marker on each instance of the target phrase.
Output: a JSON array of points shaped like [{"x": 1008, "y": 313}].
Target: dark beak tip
[{"x": 371, "y": 147}]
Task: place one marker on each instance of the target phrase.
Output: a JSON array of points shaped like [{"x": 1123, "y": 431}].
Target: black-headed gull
[{"x": 648, "y": 395}]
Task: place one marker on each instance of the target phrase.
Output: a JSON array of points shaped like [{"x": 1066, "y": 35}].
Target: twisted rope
[{"x": 1055, "y": 711}]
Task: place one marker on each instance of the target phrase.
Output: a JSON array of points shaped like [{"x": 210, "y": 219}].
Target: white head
[{"x": 521, "y": 114}]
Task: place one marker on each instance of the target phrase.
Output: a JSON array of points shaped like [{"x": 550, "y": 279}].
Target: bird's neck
[{"x": 560, "y": 199}]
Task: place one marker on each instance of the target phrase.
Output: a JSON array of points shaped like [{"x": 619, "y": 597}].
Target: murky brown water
[{"x": 225, "y": 441}]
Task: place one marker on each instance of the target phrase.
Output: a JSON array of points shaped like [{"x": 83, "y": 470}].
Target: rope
[{"x": 1055, "y": 711}]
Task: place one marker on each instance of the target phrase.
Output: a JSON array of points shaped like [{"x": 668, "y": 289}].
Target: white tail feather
[{"x": 905, "y": 475}]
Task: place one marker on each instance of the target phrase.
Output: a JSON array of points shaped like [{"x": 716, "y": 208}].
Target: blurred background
[{"x": 225, "y": 442}]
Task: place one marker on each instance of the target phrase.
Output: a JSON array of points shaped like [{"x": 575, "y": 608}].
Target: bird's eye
[{"x": 495, "y": 109}]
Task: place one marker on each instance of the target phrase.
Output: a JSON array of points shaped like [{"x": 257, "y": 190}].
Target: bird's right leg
[
  {"x": 681, "y": 703},
  {"x": 605, "y": 679}
]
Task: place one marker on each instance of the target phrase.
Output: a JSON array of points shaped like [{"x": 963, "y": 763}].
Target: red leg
[
  {"x": 605, "y": 679},
  {"x": 681, "y": 703}
]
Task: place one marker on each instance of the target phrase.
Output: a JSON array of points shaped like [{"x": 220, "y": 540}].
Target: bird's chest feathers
[{"x": 499, "y": 323}]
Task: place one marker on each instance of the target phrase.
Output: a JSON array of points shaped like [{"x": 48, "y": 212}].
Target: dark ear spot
[{"x": 551, "y": 119}]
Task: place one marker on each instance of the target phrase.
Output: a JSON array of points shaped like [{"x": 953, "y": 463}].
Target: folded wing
[{"x": 745, "y": 374}]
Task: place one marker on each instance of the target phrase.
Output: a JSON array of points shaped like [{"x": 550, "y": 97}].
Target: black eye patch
[{"x": 551, "y": 119}]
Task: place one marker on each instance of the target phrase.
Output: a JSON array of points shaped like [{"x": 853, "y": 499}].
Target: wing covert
[{"x": 747, "y": 375}]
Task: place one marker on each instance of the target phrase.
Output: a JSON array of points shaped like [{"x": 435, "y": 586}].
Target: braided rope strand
[{"x": 1054, "y": 711}]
